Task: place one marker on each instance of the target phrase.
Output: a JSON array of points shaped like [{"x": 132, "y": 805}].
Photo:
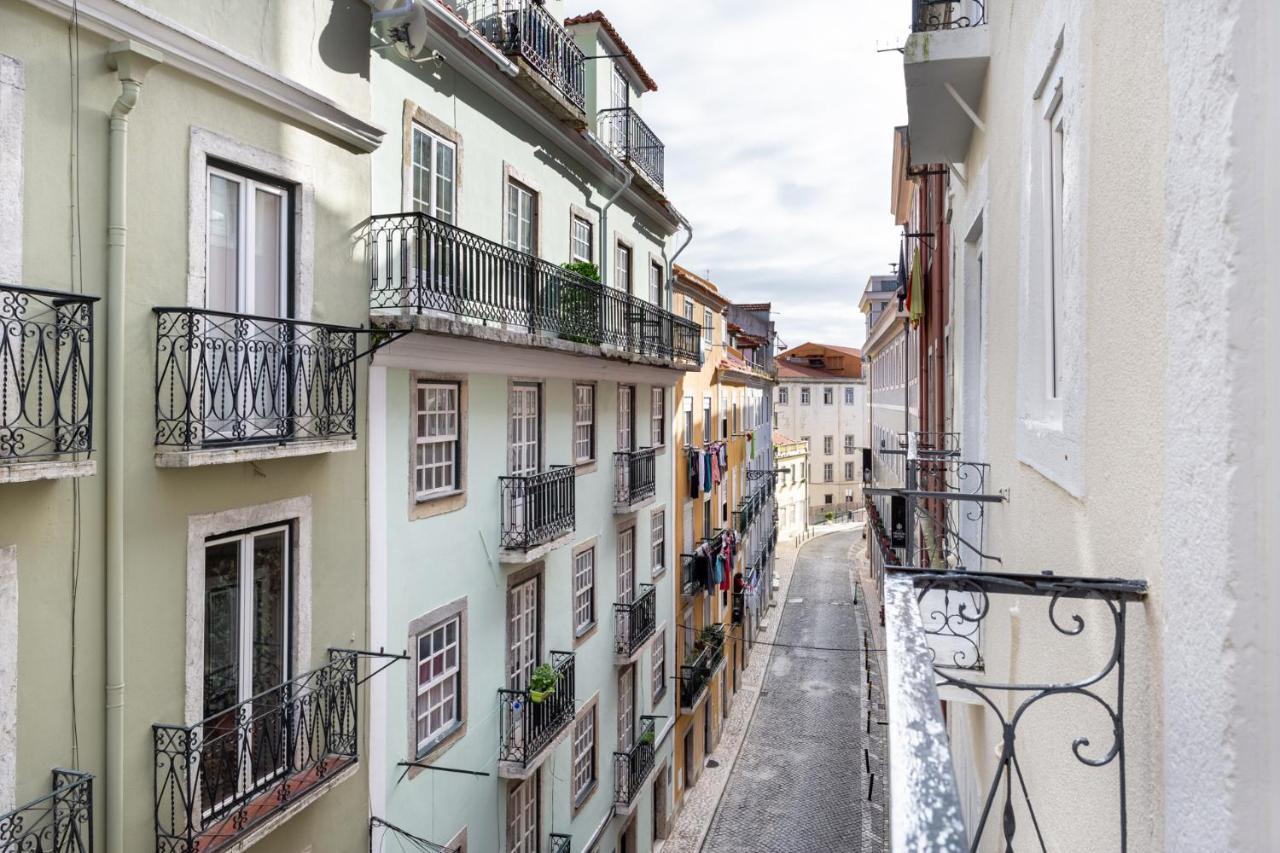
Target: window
[
  {"x": 804, "y": 395},
  {"x": 521, "y": 218},
  {"x": 247, "y": 264},
  {"x": 581, "y": 240},
  {"x": 584, "y": 423},
  {"x": 626, "y": 565},
  {"x": 706, "y": 419},
  {"x": 688, "y": 421},
  {"x": 522, "y": 816},
  {"x": 848, "y": 397},
  {"x": 658, "y": 666},
  {"x": 584, "y": 591},
  {"x": 584, "y": 754},
  {"x": 439, "y": 706},
  {"x": 827, "y": 472},
  {"x": 626, "y": 417},
  {"x": 438, "y": 448},
  {"x": 623, "y": 261},
  {"x": 657, "y": 417},
  {"x": 850, "y": 444},
  {"x": 655, "y": 283},
  {"x": 828, "y": 396},
  {"x": 707, "y": 327},
  {"x": 433, "y": 174},
  {"x": 848, "y": 470},
  {"x": 524, "y": 429},
  {"x": 804, "y": 439},
  {"x": 827, "y": 499},
  {"x": 1054, "y": 196},
  {"x": 627, "y": 709},
  {"x": 658, "y": 541},
  {"x": 524, "y": 632},
  {"x": 828, "y": 445},
  {"x": 783, "y": 394},
  {"x": 706, "y": 517},
  {"x": 688, "y": 310}
]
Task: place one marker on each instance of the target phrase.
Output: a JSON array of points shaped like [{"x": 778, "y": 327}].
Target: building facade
[
  {"x": 182, "y": 541},
  {"x": 522, "y": 456},
  {"x": 791, "y": 489},
  {"x": 822, "y": 400},
  {"x": 1071, "y": 193},
  {"x": 725, "y": 515}
]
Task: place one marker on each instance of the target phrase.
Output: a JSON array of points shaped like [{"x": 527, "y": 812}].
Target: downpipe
[
  {"x": 605, "y": 257},
  {"x": 671, "y": 265},
  {"x": 131, "y": 61}
]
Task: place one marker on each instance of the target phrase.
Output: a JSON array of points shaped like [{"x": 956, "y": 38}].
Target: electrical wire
[{"x": 855, "y": 650}]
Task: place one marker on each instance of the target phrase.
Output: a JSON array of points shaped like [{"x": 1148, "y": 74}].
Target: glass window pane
[
  {"x": 268, "y": 254},
  {"x": 223, "y": 244}
]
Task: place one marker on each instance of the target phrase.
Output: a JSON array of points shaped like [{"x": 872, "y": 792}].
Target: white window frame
[
  {"x": 577, "y": 225},
  {"x": 828, "y": 445},
  {"x": 626, "y": 417},
  {"x": 655, "y": 283},
  {"x": 708, "y": 328},
  {"x": 783, "y": 395},
  {"x": 523, "y": 805},
  {"x": 521, "y": 209},
  {"x": 584, "y": 591},
  {"x": 658, "y": 541},
  {"x": 657, "y": 416},
  {"x": 585, "y": 737},
  {"x": 579, "y": 424},
  {"x": 1054, "y": 184},
  {"x": 432, "y": 205},
  {"x": 623, "y": 257},
  {"x": 658, "y": 666},
  {"x": 828, "y": 395},
  {"x": 850, "y": 397},
  {"x": 450, "y": 675},
  {"x": 805, "y": 395},
  {"x": 246, "y": 238},
  {"x": 828, "y": 472},
  {"x": 454, "y": 439}
]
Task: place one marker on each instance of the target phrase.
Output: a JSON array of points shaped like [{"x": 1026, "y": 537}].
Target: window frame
[
  {"x": 514, "y": 189},
  {"x": 454, "y": 674},
  {"x": 437, "y": 143},
  {"x": 417, "y": 440},
  {"x": 575, "y": 221},
  {"x": 708, "y": 328},
  {"x": 657, "y": 542},
  {"x": 582, "y": 629},
  {"x": 783, "y": 395},
  {"x": 249, "y": 182},
  {"x": 658, "y": 667},
  {"x": 582, "y": 793},
  {"x": 623, "y": 249},
  {"x": 419, "y": 750},
  {"x": 591, "y": 424},
  {"x": 828, "y": 472},
  {"x": 828, "y": 395},
  {"x": 655, "y": 283},
  {"x": 828, "y": 445},
  {"x": 657, "y": 416},
  {"x": 806, "y": 395}
]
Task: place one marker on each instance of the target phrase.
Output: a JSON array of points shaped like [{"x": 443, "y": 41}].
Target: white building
[
  {"x": 821, "y": 400},
  {"x": 791, "y": 486}
]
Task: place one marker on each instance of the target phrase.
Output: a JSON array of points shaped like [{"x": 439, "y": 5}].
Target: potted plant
[
  {"x": 709, "y": 636},
  {"x": 542, "y": 682},
  {"x": 580, "y": 318},
  {"x": 647, "y": 737}
]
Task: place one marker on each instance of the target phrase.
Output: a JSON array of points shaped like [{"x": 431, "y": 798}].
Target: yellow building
[{"x": 725, "y": 513}]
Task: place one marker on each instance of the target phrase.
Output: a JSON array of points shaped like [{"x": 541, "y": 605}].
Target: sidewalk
[{"x": 689, "y": 831}]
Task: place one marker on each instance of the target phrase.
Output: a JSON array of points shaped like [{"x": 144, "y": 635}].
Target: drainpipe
[
  {"x": 604, "y": 223},
  {"x": 671, "y": 265},
  {"x": 131, "y": 61}
]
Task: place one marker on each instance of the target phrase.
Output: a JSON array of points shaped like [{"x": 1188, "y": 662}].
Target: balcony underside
[
  {"x": 525, "y": 556},
  {"x": 47, "y": 469},
  {"x": 545, "y": 93},
  {"x": 168, "y": 457},
  {"x": 932, "y": 62}
]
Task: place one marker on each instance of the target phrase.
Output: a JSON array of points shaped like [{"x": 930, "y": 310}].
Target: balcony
[
  {"x": 695, "y": 675},
  {"x": 635, "y": 622},
  {"x": 537, "y": 511},
  {"x": 230, "y": 778},
  {"x": 46, "y": 384},
  {"x": 923, "y": 795},
  {"x": 236, "y": 387},
  {"x": 428, "y": 274},
  {"x": 633, "y": 141},
  {"x": 528, "y": 728},
  {"x": 61, "y": 820},
  {"x": 945, "y": 64},
  {"x": 560, "y": 843},
  {"x": 632, "y": 769},
  {"x": 635, "y": 483},
  {"x": 551, "y": 63},
  {"x": 691, "y": 581}
]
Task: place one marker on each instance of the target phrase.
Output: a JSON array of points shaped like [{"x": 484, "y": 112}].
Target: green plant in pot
[
  {"x": 581, "y": 305},
  {"x": 542, "y": 682},
  {"x": 647, "y": 737},
  {"x": 709, "y": 637}
]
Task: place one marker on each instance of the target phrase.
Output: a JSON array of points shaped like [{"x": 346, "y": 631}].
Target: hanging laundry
[
  {"x": 715, "y": 469},
  {"x": 706, "y": 471},
  {"x": 718, "y": 576}
]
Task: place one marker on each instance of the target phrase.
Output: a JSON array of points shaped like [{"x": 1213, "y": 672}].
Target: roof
[
  {"x": 597, "y": 17},
  {"x": 696, "y": 282},
  {"x": 803, "y": 371},
  {"x": 853, "y": 351},
  {"x": 754, "y": 306},
  {"x": 793, "y": 363},
  {"x": 779, "y": 438}
]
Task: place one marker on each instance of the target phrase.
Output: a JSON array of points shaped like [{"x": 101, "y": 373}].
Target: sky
[{"x": 778, "y": 122}]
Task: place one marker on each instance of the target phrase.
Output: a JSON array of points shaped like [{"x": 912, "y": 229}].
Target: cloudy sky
[{"x": 778, "y": 120}]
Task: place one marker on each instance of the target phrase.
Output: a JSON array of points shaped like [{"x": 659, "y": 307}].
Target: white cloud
[{"x": 778, "y": 119}]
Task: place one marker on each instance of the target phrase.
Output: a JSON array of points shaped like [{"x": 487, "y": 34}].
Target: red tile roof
[
  {"x": 597, "y": 17},
  {"x": 779, "y": 438},
  {"x": 803, "y": 371}
]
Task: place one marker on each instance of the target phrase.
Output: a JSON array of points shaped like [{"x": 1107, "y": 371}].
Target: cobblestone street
[{"x": 800, "y": 782}]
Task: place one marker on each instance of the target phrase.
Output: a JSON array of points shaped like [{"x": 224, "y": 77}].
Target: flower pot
[{"x": 539, "y": 696}]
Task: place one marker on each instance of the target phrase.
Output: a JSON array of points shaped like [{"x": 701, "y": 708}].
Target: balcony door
[
  {"x": 626, "y": 722},
  {"x": 244, "y": 384},
  {"x": 524, "y": 647},
  {"x": 247, "y": 653},
  {"x": 433, "y": 180},
  {"x": 619, "y": 97},
  {"x": 524, "y": 454}
]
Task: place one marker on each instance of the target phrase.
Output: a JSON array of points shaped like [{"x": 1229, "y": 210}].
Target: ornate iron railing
[
  {"x": 696, "y": 674},
  {"x": 622, "y": 129},
  {"x": 539, "y": 508},
  {"x": 690, "y": 583},
  {"x": 526, "y": 727},
  {"x": 924, "y": 790},
  {"x": 739, "y": 605},
  {"x": 933, "y": 15},
  {"x": 635, "y": 621},
  {"x": 231, "y": 379},
  {"x": 58, "y": 822},
  {"x": 419, "y": 265},
  {"x": 635, "y": 474},
  {"x": 219, "y": 778},
  {"x": 560, "y": 843},
  {"x": 632, "y": 768},
  {"x": 46, "y": 374},
  {"x": 524, "y": 28}
]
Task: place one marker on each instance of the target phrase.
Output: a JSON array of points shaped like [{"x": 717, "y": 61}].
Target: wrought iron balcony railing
[
  {"x": 632, "y": 768},
  {"x": 740, "y": 604},
  {"x": 628, "y": 136},
  {"x": 46, "y": 374},
  {"x": 236, "y": 379},
  {"x": 561, "y": 843},
  {"x": 59, "y": 821},
  {"x": 635, "y": 621},
  {"x": 924, "y": 795},
  {"x": 524, "y": 28},
  {"x": 218, "y": 779},
  {"x": 420, "y": 265},
  {"x": 696, "y": 674},
  {"x": 528, "y": 727},
  {"x": 539, "y": 508},
  {"x": 933, "y": 15},
  {"x": 690, "y": 582},
  {"x": 635, "y": 473}
]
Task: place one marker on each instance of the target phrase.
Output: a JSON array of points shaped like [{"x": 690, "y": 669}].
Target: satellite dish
[
  {"x": 411, "y": 35},
  {"x": 384, "y": 5}
]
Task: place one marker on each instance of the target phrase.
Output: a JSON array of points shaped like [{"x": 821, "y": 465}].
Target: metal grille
[
  {"x": 708, "y": 652},
  {"x": 635, "y": 621},
  {"x": 636, "y": 474},
  {"x": 622, "y": 129},
  {"x": 59, "y": 822},
  {"x": 539, "y": 508},
  {"x": 528, "y": 727},
  {"x": 933, "y": 15},
  {"x": 631, "y": 769},
  {"x": 524, "y": 28}
]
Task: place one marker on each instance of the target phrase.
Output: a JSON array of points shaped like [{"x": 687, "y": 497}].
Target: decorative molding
[
  {"x": 13, "y": 93},
  {"x": 207, "y": 60},
  {"x": 8, "y": 675}
]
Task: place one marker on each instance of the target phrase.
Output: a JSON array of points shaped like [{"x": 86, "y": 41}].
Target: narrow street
[{"x": 801, "y": 781}]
